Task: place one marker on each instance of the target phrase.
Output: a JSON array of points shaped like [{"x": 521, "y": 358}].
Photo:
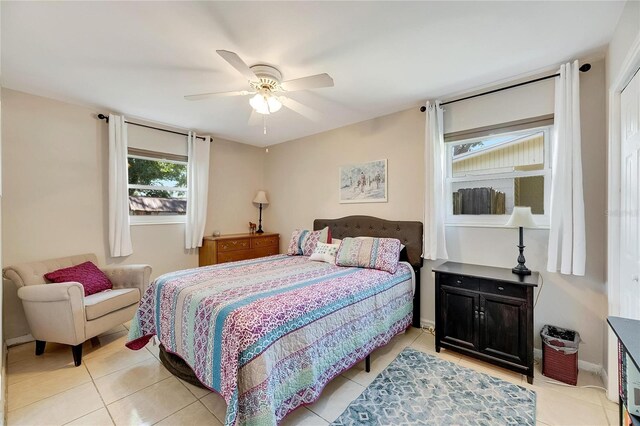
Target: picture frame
[{"x": 363, "y": 182}]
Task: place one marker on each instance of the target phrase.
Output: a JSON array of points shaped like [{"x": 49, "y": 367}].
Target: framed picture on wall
[{"x": 364, "y": 182}]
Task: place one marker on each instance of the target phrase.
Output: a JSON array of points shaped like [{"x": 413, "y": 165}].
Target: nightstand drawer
[
  {"x": 236, "y": 244},
  {"x": 265, "y": 242},
  {"x": 460, "y": 281},
  {"x": 503, "y": 289}
]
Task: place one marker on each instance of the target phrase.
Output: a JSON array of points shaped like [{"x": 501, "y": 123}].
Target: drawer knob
[
  {"x": 458, "y": 281},
  {"x": 501, "y": 288}
]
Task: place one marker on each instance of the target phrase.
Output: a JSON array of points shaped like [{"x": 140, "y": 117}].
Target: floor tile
[
  {"x": 118, "y": 328},
  {"x": 197, "y": 391},
  {"x": 335, "y": 398},
  {"x": 36, "y": 365},
  {"x": 557, "y": 408},
  {"x": 130, "y": 380},
  {"x": 44, "y": 385},
  {"x": 216, "y": 405},
  {"x": 58, "y": 409},
  {"x": 151, "y": 404},
  {"x": 303, "y": 417},
  {"x": 585, "y": 378},
  {"x": 99, "y": 417},
  {"x": 192, "y": 415},
  {"x": 109, "y": 343},
  {"x": 382, "y": 357},
  {"x": 108, "y": 363}
]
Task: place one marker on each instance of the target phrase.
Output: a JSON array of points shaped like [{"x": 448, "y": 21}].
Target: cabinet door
[
  {"x": 459, "y": 317},
  {"x": 503, "y": 328}
]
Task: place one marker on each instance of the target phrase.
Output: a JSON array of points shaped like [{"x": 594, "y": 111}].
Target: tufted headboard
[{"x": 409, "y": 233}]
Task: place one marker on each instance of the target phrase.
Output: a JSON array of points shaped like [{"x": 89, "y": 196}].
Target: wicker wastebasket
[{"x": 560, "y": 354}]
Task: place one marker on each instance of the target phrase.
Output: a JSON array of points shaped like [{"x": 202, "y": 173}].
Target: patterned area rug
[{"x": 417, "y": 388}]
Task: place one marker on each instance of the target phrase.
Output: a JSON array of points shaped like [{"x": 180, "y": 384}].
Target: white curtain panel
[
  {"x": 197, "y": 186},
  {"x": 119, "y": 231},
  {"x": 567, "y": 246},
  {"x": 434, "y": 201}
]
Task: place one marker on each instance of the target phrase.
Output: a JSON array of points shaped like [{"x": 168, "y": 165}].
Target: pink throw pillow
[{"x": 92, "y": 279}]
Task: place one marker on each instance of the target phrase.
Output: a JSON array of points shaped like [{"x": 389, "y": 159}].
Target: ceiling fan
[{"x": 265, "y": 82}]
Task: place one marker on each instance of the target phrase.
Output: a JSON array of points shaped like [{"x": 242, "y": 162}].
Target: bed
[{"x": 268, "y": 334}]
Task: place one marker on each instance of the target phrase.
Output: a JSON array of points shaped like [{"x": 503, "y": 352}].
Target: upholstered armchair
[{"x": 61, "y": 312}]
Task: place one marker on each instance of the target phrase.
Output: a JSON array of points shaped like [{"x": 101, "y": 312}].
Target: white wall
[
  {"x": 302, "y": 179},
  {"x": 55, "y": 192}
]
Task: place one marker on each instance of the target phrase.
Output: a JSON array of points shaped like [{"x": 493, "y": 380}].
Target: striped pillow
[
  {"x": 303, "y": 242},
  {"x": 371, "y": 253}
]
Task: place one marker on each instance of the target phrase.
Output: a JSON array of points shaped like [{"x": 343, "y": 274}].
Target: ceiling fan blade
[
  {"x": 235, "y": 61},
  {"x": 301, "y": 109},
  {"x": 311, "y": 82},
  {"x": 201, "y": 96}
]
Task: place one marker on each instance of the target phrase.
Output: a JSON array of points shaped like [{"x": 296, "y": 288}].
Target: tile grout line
[
  {"x": 197, "y": 401},
  {"x": 104, "y": 405}
]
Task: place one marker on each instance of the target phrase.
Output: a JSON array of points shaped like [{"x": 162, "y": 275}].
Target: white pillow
[
  {"x": 325, "y": 253},
  {"x": 336, "y": 241}
]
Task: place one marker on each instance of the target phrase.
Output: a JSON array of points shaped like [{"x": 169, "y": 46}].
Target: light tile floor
[{"x": 115, "y": 385}]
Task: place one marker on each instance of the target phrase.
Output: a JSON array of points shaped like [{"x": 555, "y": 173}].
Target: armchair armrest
[
  {"x": 55, "y": 312},
  {"x": 52, "y": 292},
  {"x": 129, "y": 276}
]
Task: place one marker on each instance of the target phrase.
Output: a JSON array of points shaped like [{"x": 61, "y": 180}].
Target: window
[
  {"x": 488, "y": 175},
  {"x": 157, "y": 187}
]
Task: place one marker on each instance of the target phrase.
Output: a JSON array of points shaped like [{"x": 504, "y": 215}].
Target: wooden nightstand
[
  {"x": 486, "y": 313},
  {"x": 233, "y": 247}
]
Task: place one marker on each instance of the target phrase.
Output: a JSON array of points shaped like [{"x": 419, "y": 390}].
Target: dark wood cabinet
[{"x": 487, "y": 313}]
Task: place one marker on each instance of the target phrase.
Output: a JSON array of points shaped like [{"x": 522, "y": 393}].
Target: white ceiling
[{"x": 141, "y": 58}]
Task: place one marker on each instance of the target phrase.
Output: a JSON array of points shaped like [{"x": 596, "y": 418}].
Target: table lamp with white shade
[
  {"x": 261, "y": 198},
  {"x": 521, "y": 218}
]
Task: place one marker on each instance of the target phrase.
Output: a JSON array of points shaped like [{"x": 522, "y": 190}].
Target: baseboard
[
  {"x": 582, "y": 365},
  {"x": 19, "y": 340},
  {"x": 427, "y": 323}
]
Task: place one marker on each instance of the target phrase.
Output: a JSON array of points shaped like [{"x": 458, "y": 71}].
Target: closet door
[{"x": 630, "y": 200}]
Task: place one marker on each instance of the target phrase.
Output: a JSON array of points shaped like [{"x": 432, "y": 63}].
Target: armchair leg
[
  {"x": 40, "y": 344},
  {"x": 77, "y": 354}
]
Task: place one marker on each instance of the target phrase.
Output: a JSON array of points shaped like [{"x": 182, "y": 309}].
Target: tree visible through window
[{"x": 157, "y": 186}]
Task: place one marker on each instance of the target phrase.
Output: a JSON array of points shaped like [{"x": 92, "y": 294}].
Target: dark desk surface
[
  {"x": 628, "y": 332},
  {"x": 488, "y": 272}
]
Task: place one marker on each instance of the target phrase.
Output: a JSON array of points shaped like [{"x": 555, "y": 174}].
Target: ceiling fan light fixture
[
  {"x": 274, "y": 104},
  {"x": 265, "y": 103}
]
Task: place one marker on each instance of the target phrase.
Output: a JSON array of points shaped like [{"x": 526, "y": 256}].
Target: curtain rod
[
  {"x": 583, "y": 68},
  {"x": 106, "y": 118}
]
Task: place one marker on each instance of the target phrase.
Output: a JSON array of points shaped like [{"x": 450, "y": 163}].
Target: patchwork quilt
[{"x": 268, "y": 334}]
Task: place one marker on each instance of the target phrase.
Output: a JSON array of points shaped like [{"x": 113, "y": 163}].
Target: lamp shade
[
  {"x": 261, "y": 198},
  {"x": 521, "y": 217}
]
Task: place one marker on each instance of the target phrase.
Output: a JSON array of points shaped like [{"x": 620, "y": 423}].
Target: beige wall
[
  {"x": 627, "y": 31},
  {"x": 301, "y": 176},
  {"x": 302, "y": 179},
  {"x": 55, "y": 191}
]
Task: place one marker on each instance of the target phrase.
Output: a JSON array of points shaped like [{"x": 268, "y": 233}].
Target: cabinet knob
[
  {"x": 501, "y": 288},
  {"x": 460, "y": 281}
]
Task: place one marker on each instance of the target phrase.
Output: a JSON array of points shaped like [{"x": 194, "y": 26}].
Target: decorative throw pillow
[
  {"x": 372, "y": 253},
  {"x": 335, "y": 241},
  {"x": 303, "y": 242},
  {"x": 92, "y": 279},
  {"x": 325, "y": 252}
]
